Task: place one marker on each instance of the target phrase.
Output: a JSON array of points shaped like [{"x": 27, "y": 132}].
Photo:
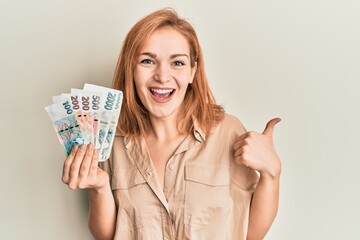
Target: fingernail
[{"x": 75, "y": 147}]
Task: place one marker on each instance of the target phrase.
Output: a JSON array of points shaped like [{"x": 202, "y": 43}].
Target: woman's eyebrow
[
  {"x": 179, "y": 55},
  {"x": 153, "y": 55},
  {"x": 148, "y": 54}
]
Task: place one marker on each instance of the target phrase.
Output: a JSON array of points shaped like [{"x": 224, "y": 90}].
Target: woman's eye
[
  {"x": 178, "y": 63},
  {"x": 147, "y": 61}
]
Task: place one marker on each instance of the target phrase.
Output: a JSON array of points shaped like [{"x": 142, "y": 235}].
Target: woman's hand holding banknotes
[{"x": 81, "y": 169}]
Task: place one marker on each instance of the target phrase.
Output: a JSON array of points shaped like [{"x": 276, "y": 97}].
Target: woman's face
[{"x": 163, "y": 72}]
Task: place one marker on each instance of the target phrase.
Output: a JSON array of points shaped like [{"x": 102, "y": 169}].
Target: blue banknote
[{"x": 65, "y": 125}]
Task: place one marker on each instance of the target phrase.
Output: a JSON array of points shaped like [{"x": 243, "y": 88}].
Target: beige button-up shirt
[{"x": 206, "y": 195}]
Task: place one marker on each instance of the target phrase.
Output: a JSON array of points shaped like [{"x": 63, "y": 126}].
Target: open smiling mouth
[{"x": 161, "y": 95}]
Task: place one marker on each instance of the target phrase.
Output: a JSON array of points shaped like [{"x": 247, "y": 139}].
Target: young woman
[{"x": 180, "y": 168}]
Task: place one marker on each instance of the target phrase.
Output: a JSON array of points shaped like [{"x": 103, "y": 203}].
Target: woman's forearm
[
  {"x": 264, "y": 206},
  {"x": 102, "y": 213}
]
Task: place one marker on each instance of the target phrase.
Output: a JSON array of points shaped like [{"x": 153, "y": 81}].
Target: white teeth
[{"x": 161, "y": 91}]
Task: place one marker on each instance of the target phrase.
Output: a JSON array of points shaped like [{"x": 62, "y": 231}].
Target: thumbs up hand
[{"x": 257, "y": 151}]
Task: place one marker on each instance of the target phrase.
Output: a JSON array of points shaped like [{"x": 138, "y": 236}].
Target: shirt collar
[{"x": 198, "y": 132}]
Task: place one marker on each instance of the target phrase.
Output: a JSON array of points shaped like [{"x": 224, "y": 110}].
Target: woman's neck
[{"x": 164, "y": 129}]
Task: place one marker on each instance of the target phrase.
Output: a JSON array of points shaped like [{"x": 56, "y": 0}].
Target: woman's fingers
[
  {"x": 81, "y": 167},
  {"x": 85, "y": 166},
  {"x": 238, "y": 144},
  {"x": 94, "y": 164},
  {"x": 75, "y": 166},
  {"x": 242, "y": 156},
  {"x": 256, "y": 150},
  {"x": 240, "y": 140},
  {"x": 67, "y": 165},
  {"x": 269, "y": 129}
]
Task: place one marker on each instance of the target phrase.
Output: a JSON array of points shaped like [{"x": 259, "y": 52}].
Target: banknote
[
  {"x": 65, "y": 124},
  {"x": 61, "y": 97},
  {"x": 103, "y": 116},
  {"x": 90, "y": 103},
  {"x": 111, "y": 107},
  {"x": 84, "y": 115},
  {"x": 88, "y": 115}
]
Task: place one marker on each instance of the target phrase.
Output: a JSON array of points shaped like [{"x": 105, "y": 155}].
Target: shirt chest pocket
[
  {"x": 125, "y": 179},
  {"x": 207, "y": 194},
  {"x": 134, "y": 199}
]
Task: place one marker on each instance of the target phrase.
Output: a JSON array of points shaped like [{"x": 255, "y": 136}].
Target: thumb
[{"x": 269, "y": 129}]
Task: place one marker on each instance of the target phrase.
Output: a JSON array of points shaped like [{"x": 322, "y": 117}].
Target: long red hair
[{"x": 198, "y": 102}]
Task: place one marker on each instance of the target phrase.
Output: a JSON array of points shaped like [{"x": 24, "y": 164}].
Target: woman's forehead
[{"x": 166, "y": 40}]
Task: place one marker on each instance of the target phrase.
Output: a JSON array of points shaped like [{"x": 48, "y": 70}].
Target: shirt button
[
  {"x": 149, "y": 173},
  {"x": 171, "y": 167}
]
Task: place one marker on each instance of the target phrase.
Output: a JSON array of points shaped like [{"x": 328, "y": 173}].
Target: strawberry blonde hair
[{"x": 199, "y": 102}]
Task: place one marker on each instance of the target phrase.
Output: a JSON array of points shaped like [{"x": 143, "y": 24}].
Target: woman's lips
[{"x": 161, "y": 95}]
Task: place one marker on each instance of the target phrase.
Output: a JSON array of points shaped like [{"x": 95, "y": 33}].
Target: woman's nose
[{"x": 163, "y": 73}]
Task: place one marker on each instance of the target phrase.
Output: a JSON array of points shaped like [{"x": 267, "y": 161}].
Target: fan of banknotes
[{"x": 88, "y": 115}]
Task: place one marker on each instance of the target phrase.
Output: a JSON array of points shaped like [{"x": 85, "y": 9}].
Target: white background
[{"x": 298, "y": 60}]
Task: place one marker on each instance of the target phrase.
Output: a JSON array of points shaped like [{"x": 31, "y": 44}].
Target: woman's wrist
[
  {"x": 104, "y": 185},
  {"x": 273, "y": 171}
]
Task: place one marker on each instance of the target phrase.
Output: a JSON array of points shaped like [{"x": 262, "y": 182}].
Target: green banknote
[{"x": 110, "y": 108}]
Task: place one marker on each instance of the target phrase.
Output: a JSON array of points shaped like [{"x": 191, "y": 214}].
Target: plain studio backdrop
[{"x": 298, "y": 60}]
